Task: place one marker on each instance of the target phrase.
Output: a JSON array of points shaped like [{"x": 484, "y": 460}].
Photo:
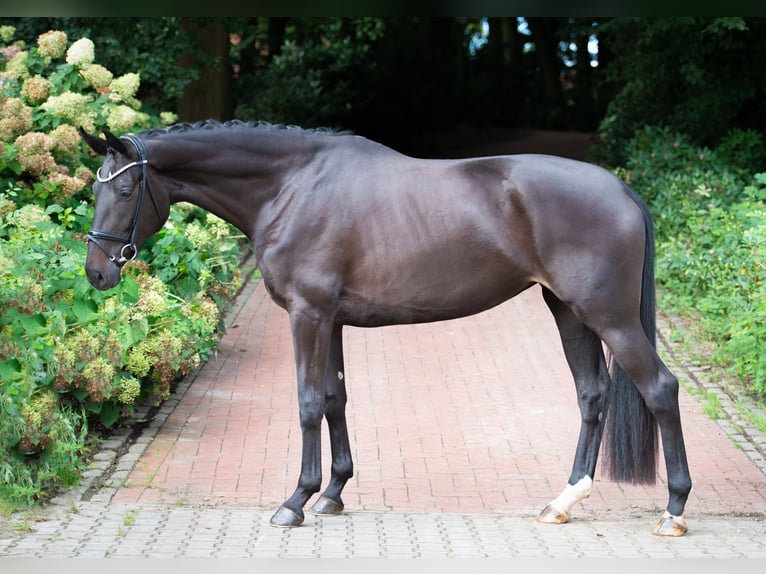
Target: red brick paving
[{"x": 472, "y": 415}]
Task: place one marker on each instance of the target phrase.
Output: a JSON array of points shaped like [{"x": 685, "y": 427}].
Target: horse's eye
[{"x": 126, "y": 192}]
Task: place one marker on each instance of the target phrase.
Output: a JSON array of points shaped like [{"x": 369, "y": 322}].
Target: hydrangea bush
[{"x": 73, "y": 358}]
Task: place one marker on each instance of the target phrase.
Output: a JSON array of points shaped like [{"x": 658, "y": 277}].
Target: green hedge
[
  {"x": 73, "y": 359},
  {"x": 710, "y": 219}
]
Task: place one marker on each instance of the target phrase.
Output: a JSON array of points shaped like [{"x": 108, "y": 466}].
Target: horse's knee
[
  {"x": 335, "y": 403},
  {"x": 311, "y": 413}
]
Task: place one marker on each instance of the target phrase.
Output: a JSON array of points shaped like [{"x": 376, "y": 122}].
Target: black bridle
[{"x": 129, "y": 250}]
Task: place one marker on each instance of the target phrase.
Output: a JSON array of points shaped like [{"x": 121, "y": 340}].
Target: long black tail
[{"x": 630, "y": 433}]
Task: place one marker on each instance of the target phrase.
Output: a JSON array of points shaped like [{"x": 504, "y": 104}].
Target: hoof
[
  {"x": 550, "y": 515},
  {"x": 286, "y": 518},
  {"x": 670, "y": 526},
  {"x": 327, "y": 506}
]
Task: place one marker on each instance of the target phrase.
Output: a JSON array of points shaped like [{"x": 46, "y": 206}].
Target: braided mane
[{"x": 234, "y": 125}]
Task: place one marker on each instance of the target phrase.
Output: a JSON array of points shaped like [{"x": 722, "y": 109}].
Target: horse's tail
[{"x": 630, "y": 432}]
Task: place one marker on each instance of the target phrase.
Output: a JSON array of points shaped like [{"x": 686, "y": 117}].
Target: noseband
[{"x": 129, "y": 250}]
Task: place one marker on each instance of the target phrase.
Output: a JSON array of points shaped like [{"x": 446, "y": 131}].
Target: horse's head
[{"x": 122, "y": 221}]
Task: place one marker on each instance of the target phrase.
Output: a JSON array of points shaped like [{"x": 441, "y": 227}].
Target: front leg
[
  {"x": 311, "y": 332},
  {"x": 335, "y": 400}
]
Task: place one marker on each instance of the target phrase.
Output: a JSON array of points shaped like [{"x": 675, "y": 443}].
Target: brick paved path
[{"x": 474, "y": 415}]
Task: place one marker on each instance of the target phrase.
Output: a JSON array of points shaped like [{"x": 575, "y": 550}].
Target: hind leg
[
  {"x": 584, "y": 354},
  {"x": 335, "y": 412},
  {"x": 659, "y": 389}
]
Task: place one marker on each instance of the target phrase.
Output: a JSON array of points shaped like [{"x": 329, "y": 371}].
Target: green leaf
[
  {"x": 85, "y": 310},
  {"x": 110, "y": 412},
  {"x": 13, "y": 165},
  {"x": 34, "y": 325},
  {"x": 92, "y": 407},
  {"x": 10, "y": 370},
  {"x": 129, "y": 290},
  {"x": 138, "y": 330}
]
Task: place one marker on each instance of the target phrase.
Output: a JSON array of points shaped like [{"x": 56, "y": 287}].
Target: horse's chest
[{"x": 277, "y": 295}]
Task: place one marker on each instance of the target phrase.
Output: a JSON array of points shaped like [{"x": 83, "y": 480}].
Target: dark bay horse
[{"x": 349, "y": 232}]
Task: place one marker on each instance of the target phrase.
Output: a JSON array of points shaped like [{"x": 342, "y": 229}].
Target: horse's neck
[{"x": 233, "y": 183}]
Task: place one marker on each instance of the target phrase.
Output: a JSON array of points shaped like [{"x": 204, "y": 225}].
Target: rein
[{"x": 129, "y": 251}]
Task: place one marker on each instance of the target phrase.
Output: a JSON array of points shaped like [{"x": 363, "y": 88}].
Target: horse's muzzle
[{"x": 103, "y": 279}]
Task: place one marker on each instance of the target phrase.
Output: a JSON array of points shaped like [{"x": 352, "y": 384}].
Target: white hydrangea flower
[
  {"x": 36, "y": 89},
  {"x": 67, "y": 138},
  {"x": 15, "y": 118},
  {"x": 123, "y": 118},
  {"x": 6, "y": 33},
  {"x": 97, "y": 76},
  {"x": 68, "y": 106},
  {"x": 81, "y": 54},
  {"x": 124, "y": 87},
  {"x": 218, "y": 227},
  {"x": 129, "y": 390},
  {"x": 52, "y": 44},
  {"x": 34, "y": 142},
  {"x": 27, "y": 217},
  {"x": 168, "y": 118},
  {"x": 198, "y": 235},
  {"x": 18, "y": 67},
  {"x": 153, "y": 297}
]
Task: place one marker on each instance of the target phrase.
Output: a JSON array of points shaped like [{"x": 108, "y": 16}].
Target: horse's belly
[{"x": 421, "y": 304}]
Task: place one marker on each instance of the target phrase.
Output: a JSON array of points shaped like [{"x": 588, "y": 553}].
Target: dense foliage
[
  {"x": 154, "y": 48},
  {"x": 313, "y": 78},
  {"x": 709, "y": 209},
  {"x": 71, "y": 356},
  {"x": 699, "y": 76}
]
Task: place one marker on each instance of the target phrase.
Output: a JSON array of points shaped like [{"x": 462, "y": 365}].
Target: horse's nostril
[
  {"x": 101, "y": 278},
  {"x": 95, "y": 277}
]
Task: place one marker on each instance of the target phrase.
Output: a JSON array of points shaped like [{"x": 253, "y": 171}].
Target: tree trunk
[
  {"x": 276, "y": 35},
  {"x": 210, "y": 95},
  {"x": 511, "y": 42},
  {"x": 546, "y": 40},
  {"x": 588, "y": 99}
]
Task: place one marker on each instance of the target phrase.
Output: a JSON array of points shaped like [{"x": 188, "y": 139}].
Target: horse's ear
[
  {"x": 96, "y": 143},
  {"x": 115, "y": 143}
]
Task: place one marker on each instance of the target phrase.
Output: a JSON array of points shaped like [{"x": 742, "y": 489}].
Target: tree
[
  {"x": 697, "y": 75},
  {"x": 304, "y": 70},
  {"x": 545, "y": 35},
  {"x": 210, "y": 94}
]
